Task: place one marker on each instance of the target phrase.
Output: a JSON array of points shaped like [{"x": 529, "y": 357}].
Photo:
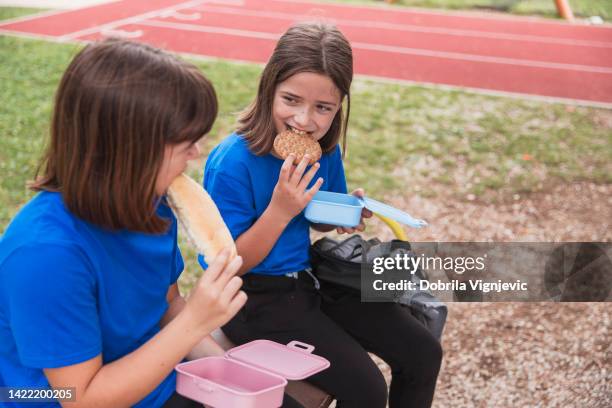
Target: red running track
[{"x": 492, "y": 53}]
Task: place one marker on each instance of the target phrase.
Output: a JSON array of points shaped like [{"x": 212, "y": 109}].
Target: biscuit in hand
[{"x": 288, "y": 142}]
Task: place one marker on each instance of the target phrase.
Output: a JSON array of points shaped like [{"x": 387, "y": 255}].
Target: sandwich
[{"x": 200, "y": 218}]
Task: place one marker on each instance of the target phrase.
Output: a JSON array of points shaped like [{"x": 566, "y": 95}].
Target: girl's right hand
[
  {"x": 290, "y": 196},
  {"x": 216, "y": 297}
]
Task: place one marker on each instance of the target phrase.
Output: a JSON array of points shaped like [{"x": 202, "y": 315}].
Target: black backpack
[{"x": 340, "y": 263}]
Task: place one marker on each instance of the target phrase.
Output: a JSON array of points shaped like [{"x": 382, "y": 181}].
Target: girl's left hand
[{"x": 365, "y": 213}]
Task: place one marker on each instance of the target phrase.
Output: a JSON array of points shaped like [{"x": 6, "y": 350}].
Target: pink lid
[{"x": 293, "y": 361}]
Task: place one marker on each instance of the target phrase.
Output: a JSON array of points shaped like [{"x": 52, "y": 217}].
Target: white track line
[
  {"x": 450, "y": 13},
  {"x": 485, "y": 59},
  {"x": 491, "y": 92},
  {"x": 214, "y": 30},
  {"x": 49, "y": 13},
  {"x": 46, "y": 13},
  {"x": 405, "y": 27},
  {"x": 150, "y": 14},
  {"x": 30, "y": 36},
  {"x": 390, "y": 49}
]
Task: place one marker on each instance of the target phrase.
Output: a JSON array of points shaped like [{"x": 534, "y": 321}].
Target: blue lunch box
[{"x": 344, "y": 210}]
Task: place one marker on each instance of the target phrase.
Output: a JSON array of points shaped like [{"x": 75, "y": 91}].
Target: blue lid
[{"x": 392, "y": 212}]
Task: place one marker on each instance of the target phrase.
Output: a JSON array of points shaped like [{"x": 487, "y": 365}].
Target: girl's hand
[
  {"x": 290, "y": 195},
  {"x": 216, "y": 297},
  {"x": 365, "y": 213}
]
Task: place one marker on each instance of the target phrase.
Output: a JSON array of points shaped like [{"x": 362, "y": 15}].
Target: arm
[
  {"x": 257, "y": 242},
  {"x": 176, "y": 303},
  {"x": 289, "y": 198},
  {"x": 213, "y": 301},
  {"x": 127, "y": 380}
]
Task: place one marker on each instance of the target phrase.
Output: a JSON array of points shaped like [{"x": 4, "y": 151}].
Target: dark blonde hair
[
  {"x": 118, "y": 105},
  {"x": 306, "y": 47}
]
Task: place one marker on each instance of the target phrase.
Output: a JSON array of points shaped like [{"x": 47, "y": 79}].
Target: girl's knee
[
  {"x": 424, "y": 357},
  {"x": 432, "y": 349},
  {"x": 428, "y": 355},
  {"x": 438, "y": 351},
  {"x": 430, "y": 359}
]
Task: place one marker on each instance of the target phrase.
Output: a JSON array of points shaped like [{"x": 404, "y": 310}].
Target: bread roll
[
  {"x": 288, "y": 142},
  {"x": 200, "y": 218}
]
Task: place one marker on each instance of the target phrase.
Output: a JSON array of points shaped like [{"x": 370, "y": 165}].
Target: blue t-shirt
[
  {"x": 70, "y": 290},
  {"x": 241, "y": 185}
]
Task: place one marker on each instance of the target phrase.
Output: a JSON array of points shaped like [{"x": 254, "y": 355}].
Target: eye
[
  {"x": 324, "y": 108},
  {"x": 289, "y": 99}
]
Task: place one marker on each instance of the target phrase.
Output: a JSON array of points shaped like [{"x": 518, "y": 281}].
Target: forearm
[
  {"x": 257, "y": 242},
  {"x": 143, "y": 369},
  {"x": 214, "y": 299},
  {"x": 206, "y": 347}
]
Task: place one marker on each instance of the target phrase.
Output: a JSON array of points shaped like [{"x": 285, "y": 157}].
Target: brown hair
[
  {"x": 118, "y": 105},
  {"x": 306, "y": 47}
]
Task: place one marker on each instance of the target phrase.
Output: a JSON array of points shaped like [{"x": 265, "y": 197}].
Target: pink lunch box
[{"x": 253, "y": 375}]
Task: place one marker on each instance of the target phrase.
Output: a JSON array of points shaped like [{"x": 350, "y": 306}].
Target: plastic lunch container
[
  {"x": 253, "y": 375},
  {"x": 344, "y": 210}
]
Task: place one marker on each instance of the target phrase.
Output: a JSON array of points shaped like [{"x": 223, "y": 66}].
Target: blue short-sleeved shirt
[
  {"x": 70, "y": 290},
  {"x": 241, "y": 185}
]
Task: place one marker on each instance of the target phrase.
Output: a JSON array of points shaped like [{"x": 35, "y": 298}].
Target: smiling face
[
  {"x": 174, "y": 163},
  {"x": 306, "y": 102}
]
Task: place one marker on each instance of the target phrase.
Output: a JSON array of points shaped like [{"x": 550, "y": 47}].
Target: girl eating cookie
[{"x": 262, "y": 185}]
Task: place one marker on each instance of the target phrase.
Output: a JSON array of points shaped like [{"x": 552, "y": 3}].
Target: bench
[{"x": 305, "y": 393}]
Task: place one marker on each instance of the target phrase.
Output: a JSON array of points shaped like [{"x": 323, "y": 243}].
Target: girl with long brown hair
[{"x": 305, "y": 89}]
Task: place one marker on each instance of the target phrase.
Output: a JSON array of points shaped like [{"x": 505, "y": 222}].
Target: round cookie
[{"x": 288, "y": 142}]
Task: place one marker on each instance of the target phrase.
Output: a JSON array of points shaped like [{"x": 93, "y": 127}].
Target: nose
[{"x": 302, "y": 118}]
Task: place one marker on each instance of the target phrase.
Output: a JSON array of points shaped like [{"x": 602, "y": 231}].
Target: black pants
[{"x": 343, "y": 329}]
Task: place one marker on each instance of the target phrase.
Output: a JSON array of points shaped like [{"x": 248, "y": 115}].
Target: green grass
[
  {"x": 12, "y": 12},
  {"x": 545, "y": 8},
  {"x": 402, "y": 139}
]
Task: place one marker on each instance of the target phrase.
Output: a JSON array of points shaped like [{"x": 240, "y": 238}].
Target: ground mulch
[{"x": 521, "y": 354}]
